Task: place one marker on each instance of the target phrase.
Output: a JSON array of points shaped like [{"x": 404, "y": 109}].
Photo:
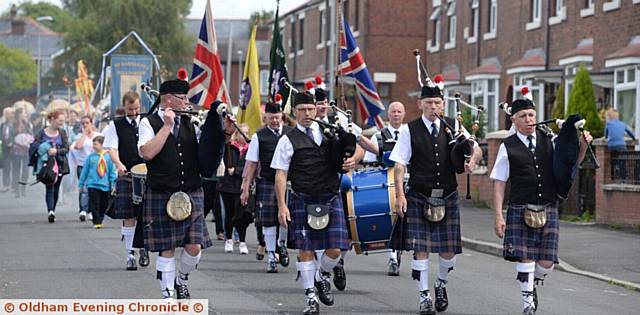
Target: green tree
[
  {"x": 468, "y": 117},
  {"x": 61, "y": 18},
  {"x": 583, "y": 102},
  {"x": 17, "y": 71},
  {"x": 260, "y": 18},
  {"x": 558, "y": 108},
  {"x": 98, "y": 25}
]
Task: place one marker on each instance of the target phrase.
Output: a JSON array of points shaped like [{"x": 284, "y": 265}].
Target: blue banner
[{"x": 127, "y": 73}]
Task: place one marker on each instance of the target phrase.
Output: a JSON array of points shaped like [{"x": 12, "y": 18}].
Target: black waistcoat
[
  {"x": 127, "y": 143},
  {"x": 430, "y": 166},
  {"x": 267, "y": 141},
  {"x": 176, "y": 166},
  {"x": 311, "y": 170},
  {"x": 531, "y": 175}
]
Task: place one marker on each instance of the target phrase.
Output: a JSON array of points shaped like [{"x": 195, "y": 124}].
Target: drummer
[
  {"x": 384, "y": 140},
  {"x": 121, "y": 136}
]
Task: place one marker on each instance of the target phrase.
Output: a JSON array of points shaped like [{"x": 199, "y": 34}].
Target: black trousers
[
  {"x": 231, "y": 208},
  {"x": 98, "y": 203},
  {"x": 212, "y": 203}
]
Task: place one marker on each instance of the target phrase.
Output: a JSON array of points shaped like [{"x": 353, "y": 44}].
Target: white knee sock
[
  {"x": 319, "y": 254},
  {"x": 393, "y": 255},
  {"x": 128, "y": 232},
  {"x": 270, "y": 237},
  {"x": 188, "y": 264},
  {"x": 542, "y": 272},
  {"x": 525, "y": 277},
  {"x": 307, "y": 271},
  {"x": 282, "y": 236},
  {"x": 166, "y": 273},
  {"x": 421, "y": 270},
  {"x": 445, "y": 266},
  {"x": 326, "y": 265}
]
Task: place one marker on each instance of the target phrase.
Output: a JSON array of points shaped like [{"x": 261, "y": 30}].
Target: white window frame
[
  {"x": 518, "y": 83},
  {"x": 433, "y": 45},
  {"x": 589, "y": 10},
  {"x": 452, "y": 21},
  {"x": 493, "y": 21},
  {"x": 560, "y": 13},
  {"x": 301, "y": 33},
  {"x": 611, "y": 5},
  {"x": 626, "y": 86},
  {"x": 480, "y": 87},
  {"x": 323, "y": 26},
  {"x": 475, "y": 13},
  {"x": 536, "y": 15}
]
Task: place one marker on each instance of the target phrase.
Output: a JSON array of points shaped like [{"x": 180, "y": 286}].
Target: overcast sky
[{"x": 230, "y": 9}]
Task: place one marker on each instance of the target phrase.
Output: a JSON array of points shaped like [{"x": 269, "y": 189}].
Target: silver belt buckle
[{"x": 437, "y": 193}]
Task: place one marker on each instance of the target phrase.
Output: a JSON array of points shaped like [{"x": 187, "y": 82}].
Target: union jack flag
[
  {"x": 207, "y": 81},
  {"x": 353, "y": 66}
]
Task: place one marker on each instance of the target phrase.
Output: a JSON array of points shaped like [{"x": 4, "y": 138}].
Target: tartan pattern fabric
[
  {"x": 163, "y": 233},
  {"x": 524, "y": 243},
  {"x": 416, "y": 233},
  {"x": 266, "y": 203},
  {"x": 123, "y": 207},
  {"x": 302, "y": 237}
]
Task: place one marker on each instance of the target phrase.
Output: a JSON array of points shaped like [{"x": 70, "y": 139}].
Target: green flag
[{"x": 278, "y": 67}]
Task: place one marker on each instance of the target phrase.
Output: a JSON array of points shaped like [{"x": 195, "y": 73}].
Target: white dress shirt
[
  {"x": 284, "y": 149},
  {"x": 253, "y": 153},
  {"x": 146, "y": 133},
  {"x": 111, "y": 135},
  {"x": 370, "y": 157},
  {"x": 500, "y": 169}
]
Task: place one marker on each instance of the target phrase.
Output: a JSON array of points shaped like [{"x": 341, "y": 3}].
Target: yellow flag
[{"x": 249, "y": 111}]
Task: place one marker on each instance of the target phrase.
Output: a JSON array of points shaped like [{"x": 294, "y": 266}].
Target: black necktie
[
  {"x": 434, "y": 130},
  {"x": 277, "y": 133},
  {"x": 133, "y": 124},
  {"x": 176, "y": 126},
  {"x": 309, "y": 133},
  {"x": 531, "y": 146},
  {"x": 396, "y": 132}
]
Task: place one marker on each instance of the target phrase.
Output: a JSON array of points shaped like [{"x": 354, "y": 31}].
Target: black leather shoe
[
  {"x": 284, "y": 255},
  {"x": 324, "y": 290},
  {"x": 442, "y": 302},
  {"x": 182, "y": 291},
  {"x": 144, "y": 258},
  {"x": 312, "y": 308},
  {"x": 426, "y": 305},
  {"x": 131, "y": 264},
  {"x": 51, "y": 217},
  {"x": 272, "y": 267},
  {"x": 394, "y": 268},
  {"x": 260, "y": 252},
  {"x": 339, "y": 276},
  {"x": 529, "y": 310},
  {"x": 535, "y": 299}
]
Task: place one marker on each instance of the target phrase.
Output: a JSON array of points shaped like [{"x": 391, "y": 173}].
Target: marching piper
[
  {"x": 429, "y": 216},
  {"x": 530, "y": 231}
]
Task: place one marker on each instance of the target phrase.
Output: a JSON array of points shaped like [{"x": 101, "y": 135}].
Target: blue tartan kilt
[
  {"x": 123, "y": 207},
  {"x": 266, "y": 204},
  {"x": 414, "y": 232},
  {"x": 522, "y": 242},
  {"x": 163, "y": 233},
  {"x": 302, "y": 237}
]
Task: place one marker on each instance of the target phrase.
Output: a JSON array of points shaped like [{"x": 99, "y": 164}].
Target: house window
[
  {"x": 610, "y": 5},
  {"x": 264, "y": 82},
  {"x": 534, "y": 17},
  {"x": 588, "y": 8},
  {"x": 301, "y": 36},
  {"x": 484, "y": 92},
  {"x": 356, "y": 18},
  {"x": 293, "y": 35},
  {"x": 559, "y": 12},
  {"x": 433, "y": 44},
  {"x": 345, "y": 11},
  {"x": 384, "y": 91},
  {"x": 475, "y": 14},
  {"x": 451, "y": 16},
  {"x": 321, "y": 23},
  {"x": 492, "y": 20},
  {"x": 537, "y": 92},
  {"x": 625, "y": 96}
]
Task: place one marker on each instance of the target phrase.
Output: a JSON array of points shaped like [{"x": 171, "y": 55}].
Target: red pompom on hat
[
  {"x": 278, "y": 98},
  {"x": 319, "y": 83},
  {"x": 182, "y": 74},
  {"x": 526, "y": 93},
  {"x": 439, "y": 81},
  {"x": 309, "y": 87}
]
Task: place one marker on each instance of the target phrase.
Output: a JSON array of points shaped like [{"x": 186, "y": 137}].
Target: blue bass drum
[{"x": 369, "y": 197}]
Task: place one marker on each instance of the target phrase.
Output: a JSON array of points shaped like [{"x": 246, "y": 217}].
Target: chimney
[{"x": 18, "y": 26}]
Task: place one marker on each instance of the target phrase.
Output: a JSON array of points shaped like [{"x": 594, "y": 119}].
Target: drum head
[{"x": 139, "y": 170}]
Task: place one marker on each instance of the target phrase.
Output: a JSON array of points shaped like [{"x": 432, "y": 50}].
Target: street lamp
[{"x": 40, "y": 19}]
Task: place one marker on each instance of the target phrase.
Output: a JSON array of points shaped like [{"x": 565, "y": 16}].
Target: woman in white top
[{"x": 82, "y": 147}]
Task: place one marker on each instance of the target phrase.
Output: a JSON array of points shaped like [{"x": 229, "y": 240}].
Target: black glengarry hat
[
  {"x": 303, "y": 98},
  {"x": 174, "y": 87}
]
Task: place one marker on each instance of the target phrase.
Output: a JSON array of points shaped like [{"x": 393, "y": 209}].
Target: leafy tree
[
  {"x": 583, "y": 102},
  {"x": 558, "y": 108},
  {"x": 260, "y": 18},
  {"x": 468, "y": 117},
  {"x": 17, "y": 71},
  {"x": 61, "y": 18}
]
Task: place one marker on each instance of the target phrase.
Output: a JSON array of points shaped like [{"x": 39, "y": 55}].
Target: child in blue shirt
[{"x": 99, "y": 178}]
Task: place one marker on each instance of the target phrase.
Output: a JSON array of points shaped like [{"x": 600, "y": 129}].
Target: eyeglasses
[
  {"x": 305, "y": 109},
  {"x": 182, "y": 98}
]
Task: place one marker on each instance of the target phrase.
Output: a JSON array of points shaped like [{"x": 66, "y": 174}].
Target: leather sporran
[
  {"x": 434, "y": 209},
  {"x": 179, "y": 206},
  {"x": 318, "y": 216},
  {"x": 535, "y": 216}
]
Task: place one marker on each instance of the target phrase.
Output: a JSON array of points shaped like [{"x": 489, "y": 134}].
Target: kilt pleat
[
  {"x": 266, "y": 203},
  {"x": 522, "y": 242},
  {"x": 414, "y": 232},
  {"x": 302, "y": 237},
  {"x": 163, "y": 233},
  {"x": 123, "y": 207}
]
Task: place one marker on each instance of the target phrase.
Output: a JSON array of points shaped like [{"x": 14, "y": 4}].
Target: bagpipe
[
  {"x": 460, "y": 147},
  {"x": 566, "y": 149}
]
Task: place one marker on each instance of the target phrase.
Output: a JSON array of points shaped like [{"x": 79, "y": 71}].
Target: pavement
[{"x": 590, "y": 250}]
